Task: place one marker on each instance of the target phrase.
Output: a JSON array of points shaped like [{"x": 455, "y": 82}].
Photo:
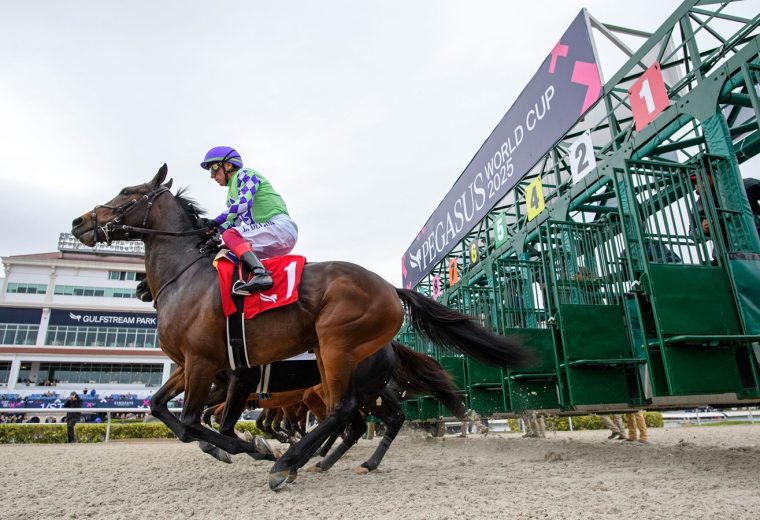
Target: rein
[
  {"x": 174, "y": 279},
  {"x": 125, "y": 209}
]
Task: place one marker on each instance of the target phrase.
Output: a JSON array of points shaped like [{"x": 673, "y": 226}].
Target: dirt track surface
[{"x": 708, "y": 472}]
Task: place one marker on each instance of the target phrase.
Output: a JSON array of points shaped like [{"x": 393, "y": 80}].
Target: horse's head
[{"x": 130, "y": 208}]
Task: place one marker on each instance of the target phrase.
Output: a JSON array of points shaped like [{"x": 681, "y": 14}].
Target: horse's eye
[{"x": 125, "y": 191}]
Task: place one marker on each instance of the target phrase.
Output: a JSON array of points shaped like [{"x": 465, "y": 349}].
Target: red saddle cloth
[{"x": 286, "y": 274}]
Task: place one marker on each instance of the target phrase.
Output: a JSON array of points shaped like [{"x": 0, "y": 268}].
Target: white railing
[{"x": 107, "y": 411}]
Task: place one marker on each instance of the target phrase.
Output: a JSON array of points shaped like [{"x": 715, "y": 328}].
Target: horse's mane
[{"x": 189, "y": 206}]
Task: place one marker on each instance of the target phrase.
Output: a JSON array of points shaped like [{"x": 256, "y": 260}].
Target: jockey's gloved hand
[{"x": 209, "y": 224}]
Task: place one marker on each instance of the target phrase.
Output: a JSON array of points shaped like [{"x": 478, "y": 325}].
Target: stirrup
[{"x": 257, "y": 283}]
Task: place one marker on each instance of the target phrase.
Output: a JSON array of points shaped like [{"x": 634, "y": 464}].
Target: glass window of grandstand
[
  {"x": 99, "y": 292},
  {"x": 27, "y": 288},
  {"x": 125, "y": 275},
  {"x": 5, "y": 372},
  {"x": 101, "y": 373},
  {"x": 24, "y": 372},
  {"x": 18, "y": 334},
  {"x": 117, "y": 337}
]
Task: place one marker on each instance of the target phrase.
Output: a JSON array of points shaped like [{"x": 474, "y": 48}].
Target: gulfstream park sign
[
  {"x": 565, "y": 86},
  {"x": 103, "y": 319}
]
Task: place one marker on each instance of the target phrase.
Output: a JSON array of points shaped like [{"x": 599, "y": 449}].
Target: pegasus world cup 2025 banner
[{"x": 565, "y": 86}]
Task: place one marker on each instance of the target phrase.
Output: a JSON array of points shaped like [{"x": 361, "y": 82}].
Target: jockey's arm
[{"x": 247, "y": 189}]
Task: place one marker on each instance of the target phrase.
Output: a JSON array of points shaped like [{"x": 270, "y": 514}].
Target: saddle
[{"x": 286, "y": 275}]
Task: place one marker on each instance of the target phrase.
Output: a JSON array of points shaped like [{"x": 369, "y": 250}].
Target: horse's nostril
[{"x": 76, "y": 221}]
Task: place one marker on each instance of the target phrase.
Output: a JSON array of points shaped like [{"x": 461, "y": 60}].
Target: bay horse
[
  {"x": 378, "y": 385},
  {"x": 343, "y": 312}
]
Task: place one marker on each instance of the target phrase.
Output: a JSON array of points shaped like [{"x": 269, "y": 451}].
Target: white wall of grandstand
[{"x": 69, "y": 320}]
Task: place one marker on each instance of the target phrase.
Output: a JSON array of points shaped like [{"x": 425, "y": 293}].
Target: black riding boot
[{"x": 260, "y": 281}]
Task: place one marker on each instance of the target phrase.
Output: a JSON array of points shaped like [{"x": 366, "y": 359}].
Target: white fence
[{"x": 107, "y": 411}]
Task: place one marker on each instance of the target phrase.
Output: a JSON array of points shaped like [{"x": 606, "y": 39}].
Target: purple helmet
[{"x": 222, "y": 154}]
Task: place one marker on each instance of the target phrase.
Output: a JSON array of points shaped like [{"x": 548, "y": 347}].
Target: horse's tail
[
  {"x": 417, "y": 373},
  {"x": 450, "y": 328}
]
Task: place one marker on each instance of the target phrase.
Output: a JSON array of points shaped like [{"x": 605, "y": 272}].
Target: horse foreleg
[
  {"x": 198, "y": 378},
  {"x": 216, "y": 397},
  {"x": 325, "y": 448},
  {"x": 174, "y": 386},
  {"x": 238, "y": 392}
]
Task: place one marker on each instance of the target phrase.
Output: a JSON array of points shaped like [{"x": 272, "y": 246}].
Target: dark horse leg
[
  {"x": 159, "y": 408},
  {"x": 412, "y": 372},
  {"x": 298, "y": 454},
  {"x": 368, "y": 382},
  {"x": 189, "y": 428},
  {"x": 354, "y": 431},
  {"x": 390, "y": 412},
  {"x": 199, "y": 376},
  {"x": 216, "y": 396},
  {"x": 325, "y": 448},
  {"x": 241, "y": 383}
]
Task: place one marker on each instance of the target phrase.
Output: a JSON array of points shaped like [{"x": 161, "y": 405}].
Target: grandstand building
[{"x": 69, "y": 321}]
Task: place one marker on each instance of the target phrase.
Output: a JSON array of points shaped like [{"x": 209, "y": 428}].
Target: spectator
[
  {"x": 72, "y": 418},
  {"x": 637, "y": 421},
  {"x": 615, "y": 425}
]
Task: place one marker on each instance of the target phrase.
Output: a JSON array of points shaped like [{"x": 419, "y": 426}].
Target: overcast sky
[{"x": 361, "y": 114}]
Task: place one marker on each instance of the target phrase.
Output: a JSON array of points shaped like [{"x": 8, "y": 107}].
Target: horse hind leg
[
  {"x": 356, "y": 428},
  {"x": 390, "y": 412}
]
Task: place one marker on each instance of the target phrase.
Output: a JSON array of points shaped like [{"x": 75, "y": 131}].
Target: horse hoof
[
  {"x": 314, "y": 469},
  {"x": 222, "y": 456},
  {"x": 292, "y": 475},
  {"x": 278, "y": 480},
  {"x": 245, "y": 436},
  {"x": 262, "y": 446},
  {"x": 361, "y": 470},
  {"x": 218, "y": 453}
]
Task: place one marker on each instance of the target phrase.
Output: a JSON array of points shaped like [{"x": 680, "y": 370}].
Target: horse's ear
[
  {"x": 160, "y": 176},
  {"x": 168, "y": 184}
]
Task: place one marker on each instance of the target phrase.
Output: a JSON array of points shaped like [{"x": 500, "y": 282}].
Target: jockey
[{"x": 256, "y": 223}]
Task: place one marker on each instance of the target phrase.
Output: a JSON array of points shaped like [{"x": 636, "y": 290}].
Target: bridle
[
  {"x": 106, "y": 231},
  {"x": 122, "y": 211},
  {"x": 128, "y": 207}
]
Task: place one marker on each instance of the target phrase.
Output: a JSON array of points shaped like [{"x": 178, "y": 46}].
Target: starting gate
[{"x": 630, "y": 267}]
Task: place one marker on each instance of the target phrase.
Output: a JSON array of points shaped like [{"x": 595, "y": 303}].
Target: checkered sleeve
[{"x": 236, "y": 208}]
